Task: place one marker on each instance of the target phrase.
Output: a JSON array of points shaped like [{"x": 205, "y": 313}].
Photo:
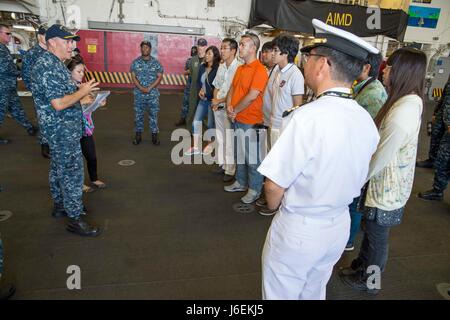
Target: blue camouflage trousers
[
  {"x": 9, "y": 101},
  {"x": 437, "y": 131},
  {"x": 186, "y": 95},
  {"x": 442, "y": 164},
  {"x": 143, "y": 103},
  {"x": 42, "y": 140},
  {"x": 66, "y": 175}
]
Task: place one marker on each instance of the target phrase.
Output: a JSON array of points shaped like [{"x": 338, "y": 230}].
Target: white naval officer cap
[{"x": 340, "y": 40}]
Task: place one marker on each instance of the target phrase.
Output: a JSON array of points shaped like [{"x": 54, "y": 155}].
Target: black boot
[
  {"x": 155, "y": 139},
  {"x": 432, "y": 194},
  {"x": 45, "y": 151},
  {"x": 137, "y": 139},
  {"x": 32, "y": 131},
  {"x": 58, "y": 211},
  {"x": 428, "y": 163},
  {"x": 7, "y": 291},
  {"x": 4, "y": 141},
  {"x": 181, "y": 122},
  {"x": 82, "y": 228}
]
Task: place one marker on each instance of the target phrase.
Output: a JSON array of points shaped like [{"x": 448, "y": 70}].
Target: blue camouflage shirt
[
  {"x": 28, "y": 61},
  {"x": 8, "y": 69},
  {"x": 146, "y": 72},
  {"x": 52, "y": 80}
]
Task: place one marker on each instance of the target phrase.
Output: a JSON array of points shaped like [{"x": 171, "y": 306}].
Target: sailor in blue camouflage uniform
[
  {"x": 57, "y": 100},
  {"x": 438, "y": 129},
  {"x": 9, "y": 100},
  {"x": 28, "y": 61},
  {"x": 147, "y": 73},
  {"x": 187, "y": 89},
  {"x": 442, "y": 162}
]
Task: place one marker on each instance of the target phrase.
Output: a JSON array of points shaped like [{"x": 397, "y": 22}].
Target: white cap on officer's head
[{"x": 340, "y": 40}]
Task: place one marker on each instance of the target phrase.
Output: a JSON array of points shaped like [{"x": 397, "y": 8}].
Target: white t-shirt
[
  {"x": 322, "y": 157},
  {"x": 282, "y": 86}
]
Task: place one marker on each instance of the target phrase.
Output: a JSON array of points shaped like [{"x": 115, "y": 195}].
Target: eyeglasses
[{"x": 306, "y": 56}]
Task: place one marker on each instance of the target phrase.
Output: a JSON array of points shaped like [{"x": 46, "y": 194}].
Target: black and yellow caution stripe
[
  {"x": 125, "y": 78},
  {"x": 437, "y": 92}
]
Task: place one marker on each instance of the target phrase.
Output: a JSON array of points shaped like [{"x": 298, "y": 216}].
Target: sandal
[
  {"x": 98, "y": 184},
  {"x": 87, "y": 189}
]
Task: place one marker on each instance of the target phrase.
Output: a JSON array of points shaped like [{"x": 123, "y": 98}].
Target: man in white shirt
[
  {"x": 286, "y": 84},
  {"x": 284, "y": 90},
  {"x": 315, "y": 169},
  {"x": 222, "y": 82}
]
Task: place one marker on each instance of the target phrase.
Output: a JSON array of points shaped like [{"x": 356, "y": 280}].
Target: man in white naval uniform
[{"x": 315, "y": 170}]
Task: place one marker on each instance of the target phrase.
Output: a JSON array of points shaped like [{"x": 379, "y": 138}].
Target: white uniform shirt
[
  {"x": 282, "y": 85},
  {"x": 322, "y": 158},
  {"x": 224, "y": 77}
]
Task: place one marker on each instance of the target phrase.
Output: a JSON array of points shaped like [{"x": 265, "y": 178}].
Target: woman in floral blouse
[{"x": 391, "y": 170}]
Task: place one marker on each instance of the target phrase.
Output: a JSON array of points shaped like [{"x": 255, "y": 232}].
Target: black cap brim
[{"x": 338, "y": 43}]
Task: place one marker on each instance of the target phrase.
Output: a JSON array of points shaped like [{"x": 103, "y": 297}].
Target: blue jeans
[
  {"x": 203, "y": 110},
  {"x": 355, "y": 217},
  {"x": 247, "y": 157}
]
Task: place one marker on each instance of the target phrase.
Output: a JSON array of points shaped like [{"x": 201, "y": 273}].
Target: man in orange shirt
[{"x": 244, "y": 107}]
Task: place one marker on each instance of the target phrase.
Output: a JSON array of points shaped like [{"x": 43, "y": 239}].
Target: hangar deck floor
[{"x": 170, "y": 232}]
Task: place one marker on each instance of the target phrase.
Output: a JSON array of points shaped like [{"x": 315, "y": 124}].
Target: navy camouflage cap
[{"x": 59, "y": 31}]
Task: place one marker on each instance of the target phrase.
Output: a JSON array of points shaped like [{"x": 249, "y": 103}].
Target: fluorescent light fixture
[
  {"x": 115, "y": 26},
  {"x": 27, "y": 28}
]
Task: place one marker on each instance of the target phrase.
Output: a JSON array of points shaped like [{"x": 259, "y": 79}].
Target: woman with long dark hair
[
  {"x": 206, "y": 76},
  {"x": 391, "y": 171},
  {"x": 76, "y": 67}
]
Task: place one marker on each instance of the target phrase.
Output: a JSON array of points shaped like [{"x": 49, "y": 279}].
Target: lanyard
[
  {"x": 327, "y": 93},
  {"x": 336, "y": 94}
]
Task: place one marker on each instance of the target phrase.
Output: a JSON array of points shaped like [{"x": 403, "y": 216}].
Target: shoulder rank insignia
[{"x": 290, "y": 110}]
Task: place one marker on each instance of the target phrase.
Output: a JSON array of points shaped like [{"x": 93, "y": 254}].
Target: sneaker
[
  {"x": 357, "y": 282},
  {"x": 192, "y": 151},
  {"x": 261, "y": 202},
  {"x": 349, "y": 247},
  {"x": 235, "y": 187},
  {"x": 250, "y": 197},
  {"x": 208, "y": 149},
  {"x": 267, "y": 212}
]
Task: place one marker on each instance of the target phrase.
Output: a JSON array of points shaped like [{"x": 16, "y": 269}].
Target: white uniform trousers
[
  {"x": 225, "y": 143},
  {"x": 299, "y": 255}
]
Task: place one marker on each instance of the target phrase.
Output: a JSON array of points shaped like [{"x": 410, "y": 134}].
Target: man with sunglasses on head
[
  {"x": 9, "y": 100},
  {"x": 315, "y": 170}
]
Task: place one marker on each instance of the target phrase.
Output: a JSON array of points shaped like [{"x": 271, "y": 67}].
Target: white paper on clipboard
[{"x": 101, "y": 95}]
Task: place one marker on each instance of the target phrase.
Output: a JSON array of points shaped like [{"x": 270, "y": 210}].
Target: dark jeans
[
  {"x": 88, "y": 149},
  {"x": 375, "y": 246}
]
